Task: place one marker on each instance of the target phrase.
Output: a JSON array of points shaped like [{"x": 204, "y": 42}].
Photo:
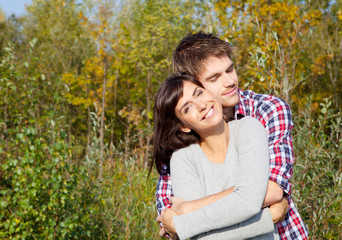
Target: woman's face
[{"x": 198, "y": 109}]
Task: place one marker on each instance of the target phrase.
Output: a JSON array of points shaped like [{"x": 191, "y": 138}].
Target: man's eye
[
  {"x": 230, "y": 69},
  {"x": 212, "y": 79}
]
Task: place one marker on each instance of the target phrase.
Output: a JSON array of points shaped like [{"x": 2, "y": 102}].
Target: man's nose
[{"x": 227, "y": 80}]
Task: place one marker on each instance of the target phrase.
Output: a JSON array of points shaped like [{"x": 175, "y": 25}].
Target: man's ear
[{"x": 185, "y": 129}]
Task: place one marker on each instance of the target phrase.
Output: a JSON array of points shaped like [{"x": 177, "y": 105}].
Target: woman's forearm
[
  {"x": 185, "y": 207},
  {"x": 274, "y": 194}
]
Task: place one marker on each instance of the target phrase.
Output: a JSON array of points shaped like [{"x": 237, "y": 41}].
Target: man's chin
[{"x": 230, "y": 103}]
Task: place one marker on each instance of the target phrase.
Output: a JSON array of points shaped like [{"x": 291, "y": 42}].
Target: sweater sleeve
[
  {"x": 260, "y": 226},
  {"x": 249, "y": 189}
]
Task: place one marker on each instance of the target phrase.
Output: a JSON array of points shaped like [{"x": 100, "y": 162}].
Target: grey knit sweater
[{"x": 246, "y": 167}]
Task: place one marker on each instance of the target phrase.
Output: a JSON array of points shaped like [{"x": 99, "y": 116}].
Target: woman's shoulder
[
  {"x": 246, "y": 124},
  {"x": 187, "y": 156},
  {"x": 186, "y": 151},
  {"x": 250, "y": 120}
]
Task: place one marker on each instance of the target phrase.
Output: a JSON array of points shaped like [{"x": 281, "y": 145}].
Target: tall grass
[
  {"x": 317, "y": 180},
  {"x": 127, "y": 195}
]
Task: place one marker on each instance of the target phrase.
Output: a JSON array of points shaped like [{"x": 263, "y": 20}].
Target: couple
[{"x": 230, "y": 181}]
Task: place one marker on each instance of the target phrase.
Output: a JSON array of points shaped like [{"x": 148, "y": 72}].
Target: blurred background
[{"x": 77, "y": 86}]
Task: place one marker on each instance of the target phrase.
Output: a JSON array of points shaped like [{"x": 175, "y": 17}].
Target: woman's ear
[{"x": 185, "y": 129}]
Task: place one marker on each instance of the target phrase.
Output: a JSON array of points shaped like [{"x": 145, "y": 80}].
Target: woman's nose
[{"x": 202, "y": 106}]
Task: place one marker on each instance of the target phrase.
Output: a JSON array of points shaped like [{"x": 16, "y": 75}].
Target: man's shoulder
[
  {"x": 265, "y": 98},
  {"x": 261, "y": 101}
]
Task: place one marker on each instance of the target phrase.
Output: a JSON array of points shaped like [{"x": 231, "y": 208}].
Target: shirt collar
[{"x": 239, "y": 111}]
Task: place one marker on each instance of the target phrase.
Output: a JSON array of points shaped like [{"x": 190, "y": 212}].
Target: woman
[{"x": 205, "y": 156}]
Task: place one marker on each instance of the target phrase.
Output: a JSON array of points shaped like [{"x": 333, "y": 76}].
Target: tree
[
  {"x": 148, "y": 32},
  {"x": 326, "y": 55},
  {"x": 270, "y": 37}
]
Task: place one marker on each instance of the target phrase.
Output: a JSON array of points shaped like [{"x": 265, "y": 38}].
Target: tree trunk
[
  {"x": 89, "y": 130},
  {"x": 4, "y": 134},
  {"x": 112, "y": 130},
  {"x": 128, "y": 133},
  {"x": 103, "y": 116},
  {"x": 147, "y": 119}
]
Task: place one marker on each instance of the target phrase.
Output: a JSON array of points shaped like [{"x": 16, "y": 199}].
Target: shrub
[
  {"x": 317, "y": 177},
  {"x": 43, "y": 195}
]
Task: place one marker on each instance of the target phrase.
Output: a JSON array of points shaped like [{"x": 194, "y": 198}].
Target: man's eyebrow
[
  {"x": 218, "y": 74},
  {"x": 193, "y": 94},
  {"x": 212, "y": 76}
]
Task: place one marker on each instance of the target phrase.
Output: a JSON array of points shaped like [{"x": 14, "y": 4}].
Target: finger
[
  {"x": 158, "y": 219},
  {"x": 173, "y": 236},
  {"x": 171, "y": 200},
  {"x": 162, "y": 232},
  {"x": 282, "y": 219}
]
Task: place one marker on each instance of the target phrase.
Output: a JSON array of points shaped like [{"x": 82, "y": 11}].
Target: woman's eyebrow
[
  {"x": 186, "y": 103},
  {"x": 195, "y": 90},
  {"x": 193, "y": 94}
]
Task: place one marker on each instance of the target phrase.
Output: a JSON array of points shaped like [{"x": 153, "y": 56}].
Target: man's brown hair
[{"x": 195, "y": 48}]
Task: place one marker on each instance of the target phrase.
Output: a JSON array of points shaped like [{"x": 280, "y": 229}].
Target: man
[{"x": 209, "y": 59}]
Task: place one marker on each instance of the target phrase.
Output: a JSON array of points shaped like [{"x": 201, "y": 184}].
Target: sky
[{"x": 14, "y": 6}]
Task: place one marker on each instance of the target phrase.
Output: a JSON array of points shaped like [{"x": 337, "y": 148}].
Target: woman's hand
[{"x": 279, "y": 210}]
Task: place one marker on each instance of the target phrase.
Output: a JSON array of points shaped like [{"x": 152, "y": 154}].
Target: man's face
[{"x": 219, "y": 77}]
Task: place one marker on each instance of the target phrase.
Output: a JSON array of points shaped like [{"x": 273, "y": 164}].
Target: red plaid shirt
[{"x": 276, "y": 117}]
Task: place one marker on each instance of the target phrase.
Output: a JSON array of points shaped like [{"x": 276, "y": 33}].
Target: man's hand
[
  {"x": 166, "y": 218},
  {"x": 279, "y": 210},
  {"x": 180, "y": 206},
  {"x": 274, "y": 194}
]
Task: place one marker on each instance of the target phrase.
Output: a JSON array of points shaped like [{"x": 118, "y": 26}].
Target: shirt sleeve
[
  {"x": 163, "y": 192},
  {"x": 276, "y": 116},
  {"x": 249, "y": 189}
]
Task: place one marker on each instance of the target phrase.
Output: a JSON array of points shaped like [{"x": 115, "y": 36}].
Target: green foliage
[
  {"x": 317, "y": 187},
  {"x": 43, "y": 195},
  {"x": 129, "y": 203},
  {"x": 77, "y": 84},
  {"x": 127, "y": 195}
]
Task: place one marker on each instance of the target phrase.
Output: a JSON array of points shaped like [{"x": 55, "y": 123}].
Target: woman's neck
[{"x": 215, "y": 143}]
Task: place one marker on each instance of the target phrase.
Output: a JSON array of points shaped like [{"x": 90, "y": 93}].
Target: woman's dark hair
[{"x": 167, "y": 134}]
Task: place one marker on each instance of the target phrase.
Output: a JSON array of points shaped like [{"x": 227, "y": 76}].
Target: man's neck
[{"x": 228, "y": 113}]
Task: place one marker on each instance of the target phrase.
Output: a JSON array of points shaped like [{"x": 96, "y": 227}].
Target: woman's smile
[{"x": 209, "y": 114}]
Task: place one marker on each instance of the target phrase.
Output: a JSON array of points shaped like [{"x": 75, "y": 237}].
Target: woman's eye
[
  {"x": 199, "y": 92},
  {"x": 187, "y": 109}
]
